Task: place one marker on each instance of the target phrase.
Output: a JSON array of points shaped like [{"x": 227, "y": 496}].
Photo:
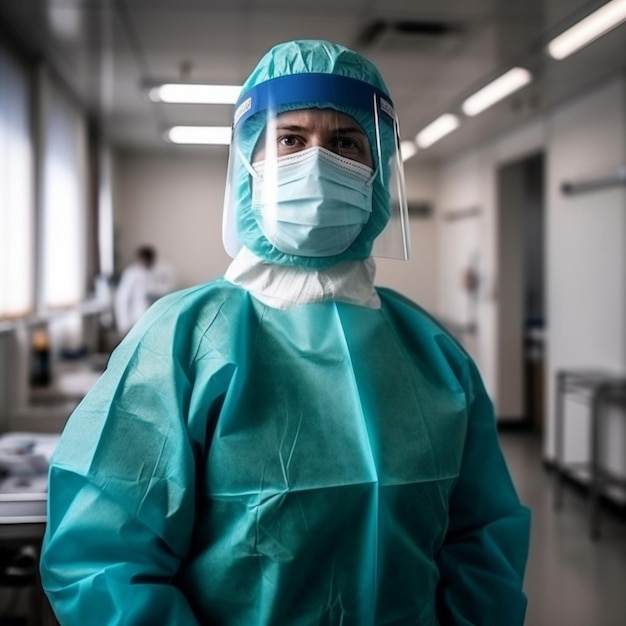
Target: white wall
[
  {"x": 587, "y": 251},
  {"x": 462, "y": 218},
  {"x": 173, "y": 201},
  {"x": 416, "y": 278}
]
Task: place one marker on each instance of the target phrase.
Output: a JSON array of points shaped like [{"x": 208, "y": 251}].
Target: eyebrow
[{"x": 341, "y": 130}]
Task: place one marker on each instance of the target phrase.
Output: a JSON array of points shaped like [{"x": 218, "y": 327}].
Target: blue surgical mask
[{"x": 312, "y": 203}]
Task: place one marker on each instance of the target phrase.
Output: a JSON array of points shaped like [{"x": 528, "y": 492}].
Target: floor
[{"x": 570, "y": 580}]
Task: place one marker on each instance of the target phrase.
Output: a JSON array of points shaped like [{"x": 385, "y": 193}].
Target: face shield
[{"x": 315, "y": 174}]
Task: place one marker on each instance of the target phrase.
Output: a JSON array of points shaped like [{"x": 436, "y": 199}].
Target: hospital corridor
[{"x": 313, "y": 313}]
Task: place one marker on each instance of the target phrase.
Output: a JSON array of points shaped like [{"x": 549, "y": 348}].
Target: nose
[{"x": 319, "y": 141}]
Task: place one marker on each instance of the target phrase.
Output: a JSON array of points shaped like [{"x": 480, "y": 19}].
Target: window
[
  {"x": 64, "y": 198},
  {"x": 16, "y": 189}
]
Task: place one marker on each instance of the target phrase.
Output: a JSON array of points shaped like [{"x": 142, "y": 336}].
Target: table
[{"x": 599, "y": 388}]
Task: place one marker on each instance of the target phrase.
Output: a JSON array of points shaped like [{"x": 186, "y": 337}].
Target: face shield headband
[
  {"x": 370, "y": 107},
  {"x": 341, "y": 91}
]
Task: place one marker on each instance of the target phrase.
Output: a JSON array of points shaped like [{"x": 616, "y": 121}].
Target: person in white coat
[{"x": 141, "y": 283}]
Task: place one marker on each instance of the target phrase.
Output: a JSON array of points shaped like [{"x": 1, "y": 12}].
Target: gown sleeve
[
  {"x": 483, "y": 556},
  {"x": 122, "y": 490}
]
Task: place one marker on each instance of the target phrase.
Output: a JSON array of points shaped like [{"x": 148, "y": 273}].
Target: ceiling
[{"x": 432, "y": 54}]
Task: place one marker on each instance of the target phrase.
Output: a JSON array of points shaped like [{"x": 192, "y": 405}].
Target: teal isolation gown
[{"x": 241, "y": 465}]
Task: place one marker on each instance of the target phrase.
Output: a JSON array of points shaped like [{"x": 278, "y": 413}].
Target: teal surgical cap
[{"x": 308, "y": 60}]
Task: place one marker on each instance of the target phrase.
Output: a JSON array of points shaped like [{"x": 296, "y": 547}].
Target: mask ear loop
[
  {"x": 372, "y": 178},
  {"x": 263, "y": 185},
  {"x": 247, "y": 164}
]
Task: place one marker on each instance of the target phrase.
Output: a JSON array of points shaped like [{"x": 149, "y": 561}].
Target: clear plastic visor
[{"x": 316, "y": 172}]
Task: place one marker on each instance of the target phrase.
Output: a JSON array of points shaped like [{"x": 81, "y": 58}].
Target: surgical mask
[{"x": 312, "y": 203}]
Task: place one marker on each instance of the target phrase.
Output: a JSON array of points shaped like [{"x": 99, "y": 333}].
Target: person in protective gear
[{"x": 288, "y": 444}]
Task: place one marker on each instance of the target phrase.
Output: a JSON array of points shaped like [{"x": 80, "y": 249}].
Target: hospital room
[{"x": 397, "y": 396}]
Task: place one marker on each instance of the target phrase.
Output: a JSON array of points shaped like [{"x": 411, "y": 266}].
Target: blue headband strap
[{"x": 306, "y": 88}]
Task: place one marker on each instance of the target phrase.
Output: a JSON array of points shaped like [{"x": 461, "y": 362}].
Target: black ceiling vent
[{"x": 411, "y": 36}]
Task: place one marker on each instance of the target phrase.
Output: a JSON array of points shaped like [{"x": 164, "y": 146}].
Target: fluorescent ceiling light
[
  {"x": 443, "y": 125},
  {"x": 500, "y": 88},
  {"x": 212, "y": 135},
  {"x": 189, "y": 93},
  {"x": 408, "y": 149},
  {"x": 588, "y": 29}
]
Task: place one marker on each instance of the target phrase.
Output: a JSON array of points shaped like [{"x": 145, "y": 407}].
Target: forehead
[{"x": 314, "y": 119}]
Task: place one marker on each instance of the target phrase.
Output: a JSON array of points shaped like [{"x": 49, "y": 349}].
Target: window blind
[
  {"x": 16, "y": 189},
  {"x": 64, "y": 197}
]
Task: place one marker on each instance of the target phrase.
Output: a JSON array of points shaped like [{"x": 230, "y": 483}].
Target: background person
[
  {"x": 289, "y": 445},
  {"x": 141, "y": 284}
]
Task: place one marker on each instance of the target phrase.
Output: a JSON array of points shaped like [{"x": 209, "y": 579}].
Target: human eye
[
  {"x": 347, "y": 144},
  {"x": 289, "y": 142},
  {"x": 352, "y": 147}
]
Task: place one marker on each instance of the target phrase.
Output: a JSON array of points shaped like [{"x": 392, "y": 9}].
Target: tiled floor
[{"x": 571, "y": 580}]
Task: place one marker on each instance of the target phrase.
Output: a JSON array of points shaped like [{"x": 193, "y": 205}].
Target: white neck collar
[{"x": 285, "y": 287}]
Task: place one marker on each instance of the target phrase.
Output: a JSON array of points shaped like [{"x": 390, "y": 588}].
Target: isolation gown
[{"x": 242, "y": 465}]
